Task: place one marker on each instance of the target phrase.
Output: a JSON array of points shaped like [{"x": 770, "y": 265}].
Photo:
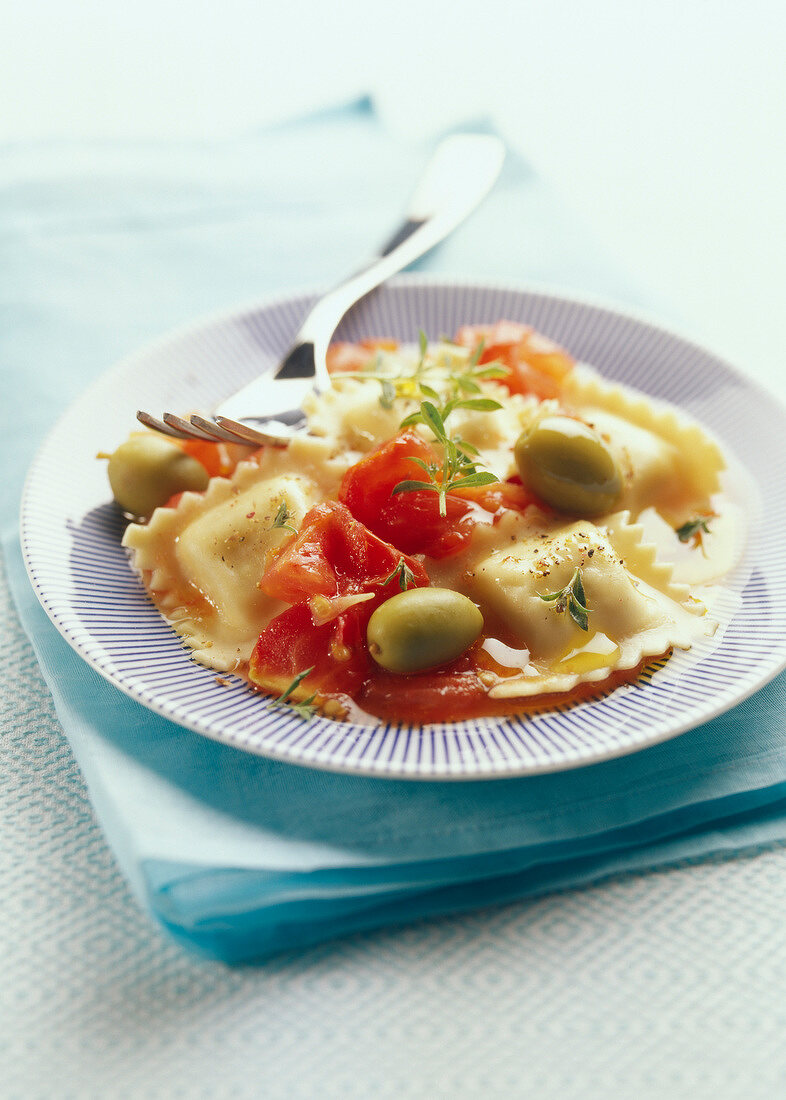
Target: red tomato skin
[
  {"x": 439, "y": 695},
  {"x": 343, "y": 357},
  {"x": 333, "y": 554},
  {"x": 411, "y": 520},
  {"x": 536, "y": 364},
  {"x": 502, "y": 496},
  {"x": 292, "y": 642}
]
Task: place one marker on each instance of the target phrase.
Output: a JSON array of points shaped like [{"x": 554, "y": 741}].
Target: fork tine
[
  {"x": 234, "y": 431},
  {"x": 222, "y": 429},
  {"x": 185, "y": 429},
  {"x": 244, "y": 433},
  {"x": 156, "y": 424},
  {"x": 217, "y": 431}
]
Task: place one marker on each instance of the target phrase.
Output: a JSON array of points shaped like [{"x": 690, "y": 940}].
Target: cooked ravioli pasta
[
  {"x": 668, "y": 462},
  {"x": 407, "y": 477},
  {"x": 628, "y": 618},
  {"x": 201, "y": 560}
]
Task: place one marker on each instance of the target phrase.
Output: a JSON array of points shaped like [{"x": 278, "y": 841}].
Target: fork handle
[{"x": 460, "y": 173}]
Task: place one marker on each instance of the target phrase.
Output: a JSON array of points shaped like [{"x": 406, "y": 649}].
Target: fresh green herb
[
  {"x": 467, "y": 381},
  {"x": 572, "y": 599},
  {"x": 282, "y": 518},
  {"x": 459, "y": 388},
  {"x": 423, "y": 345},
  {"x": 695, "y": 529},
  {"x": 305, "y": 708},
  {"x": 403, "y": 574},
  {"x": 459, "y": 466},
  {"x": 479, "y": 404},
  {"x": 388, "y": 395}
]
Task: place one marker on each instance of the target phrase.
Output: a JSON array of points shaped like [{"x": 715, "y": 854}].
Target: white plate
[{"x": 71, "y": 540}]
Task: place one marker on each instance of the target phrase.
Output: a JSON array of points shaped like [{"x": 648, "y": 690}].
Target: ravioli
[
  {"x": 202, "y": 560},
  {"x": 628, "y": 619},
  {"x": 667, "y": 461}
]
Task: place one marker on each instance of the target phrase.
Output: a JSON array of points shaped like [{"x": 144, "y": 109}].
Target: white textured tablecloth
[{"x": 662, "y": 985}]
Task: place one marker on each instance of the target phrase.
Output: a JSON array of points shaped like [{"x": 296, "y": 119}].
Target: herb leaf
[
  {"x": 306, "y": 708},
  {"x": 415, "y": 487},
  {"x": 482, "y": 477},
  {"x": 282, "y": 518},
  {"x": 454, "y": 381},
  {"x": 388, "y": 395},
  {"x": 695, "y": 529},
  {"x": 480, "y": 404},
  {"x": 433, "y": 418},
  {"x": 403, "y": 574},
  {"x": 459, "y": 466},
  {"x": 572, "y": 599},
  {"x": 491, "y": 370}
]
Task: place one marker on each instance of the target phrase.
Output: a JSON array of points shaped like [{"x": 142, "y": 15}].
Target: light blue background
[
  {"x": 662, "y": 126},
  {"x": 660, "y": 123}
]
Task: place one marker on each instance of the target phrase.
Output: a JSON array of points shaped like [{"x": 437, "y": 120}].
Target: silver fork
[{"x": 460, "y": 173}]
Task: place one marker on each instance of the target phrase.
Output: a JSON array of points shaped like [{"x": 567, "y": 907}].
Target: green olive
[
  {"x": 422, "y": 628},
  {"x": 568, "y": 466},
  {"x": 146, "y": 470}
]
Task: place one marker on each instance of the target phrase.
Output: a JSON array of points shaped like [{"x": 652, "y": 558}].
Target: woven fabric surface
[
  {"x": 661, "y": 985},
  {"x": 636, "y": 985}
]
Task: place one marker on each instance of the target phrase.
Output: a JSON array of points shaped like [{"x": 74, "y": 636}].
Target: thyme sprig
[
  {"x": 403, "y": 574},
  {"x": 458, "y": 469},
  {"x": 479, "y": 404},
  {"x": 305, "y": 707},
  {"x": 695, "y": 529},
  {"x": 467, "y": 381},
  {"x": 572, "y": 599},
  {"x": 430, "y": 375},
  {"x": 282, "y": 518}
]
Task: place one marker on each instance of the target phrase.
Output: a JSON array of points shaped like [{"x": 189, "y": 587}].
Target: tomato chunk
[
  {"x": 331, "y": 560},
  {"x": 342, "y": 356},
  {"x": 503, "y": 496},
  {"x": 219, "y": 459},
  {"x": 293, "y": 642},
  {"x": 536, "y": 364},
  {"x": 439, "y": 695},
  {"x": 333, "y": 555},
  {"x": 411, "y": 521}
]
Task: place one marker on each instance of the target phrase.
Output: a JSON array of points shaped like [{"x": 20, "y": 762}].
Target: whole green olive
[
  {"x": 422, "y": 628},
  {"x": 568, "y": 466},
  {"x": 146, "y": 470}
]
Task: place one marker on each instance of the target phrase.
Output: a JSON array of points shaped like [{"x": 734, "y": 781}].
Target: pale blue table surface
[{"x": 663, "y": 985}]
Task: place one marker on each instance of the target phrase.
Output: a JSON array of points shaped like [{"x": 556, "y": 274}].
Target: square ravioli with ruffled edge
[{"x": 467, "y": 528}]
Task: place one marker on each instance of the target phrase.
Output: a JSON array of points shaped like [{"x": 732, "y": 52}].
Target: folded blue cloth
[{"x": 239, "y": 856}]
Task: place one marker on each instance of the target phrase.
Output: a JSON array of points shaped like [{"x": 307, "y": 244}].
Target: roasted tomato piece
[
  {"x": 219, "y": 459},
  {"x": 333, "y": 555},
  {"x": 439, "y": 695},
  {"x": 293, "y": 642},
  {"x": 502, "y": 496},
  {"x": 537, "y": 365},
  {"x": 411, "y": 521},
  {"x": 335, "y": 572},
  {"x": 343, "y": 356}
]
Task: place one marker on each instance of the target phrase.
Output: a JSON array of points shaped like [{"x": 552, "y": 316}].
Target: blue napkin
[{"x": 238, "y": 856}]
